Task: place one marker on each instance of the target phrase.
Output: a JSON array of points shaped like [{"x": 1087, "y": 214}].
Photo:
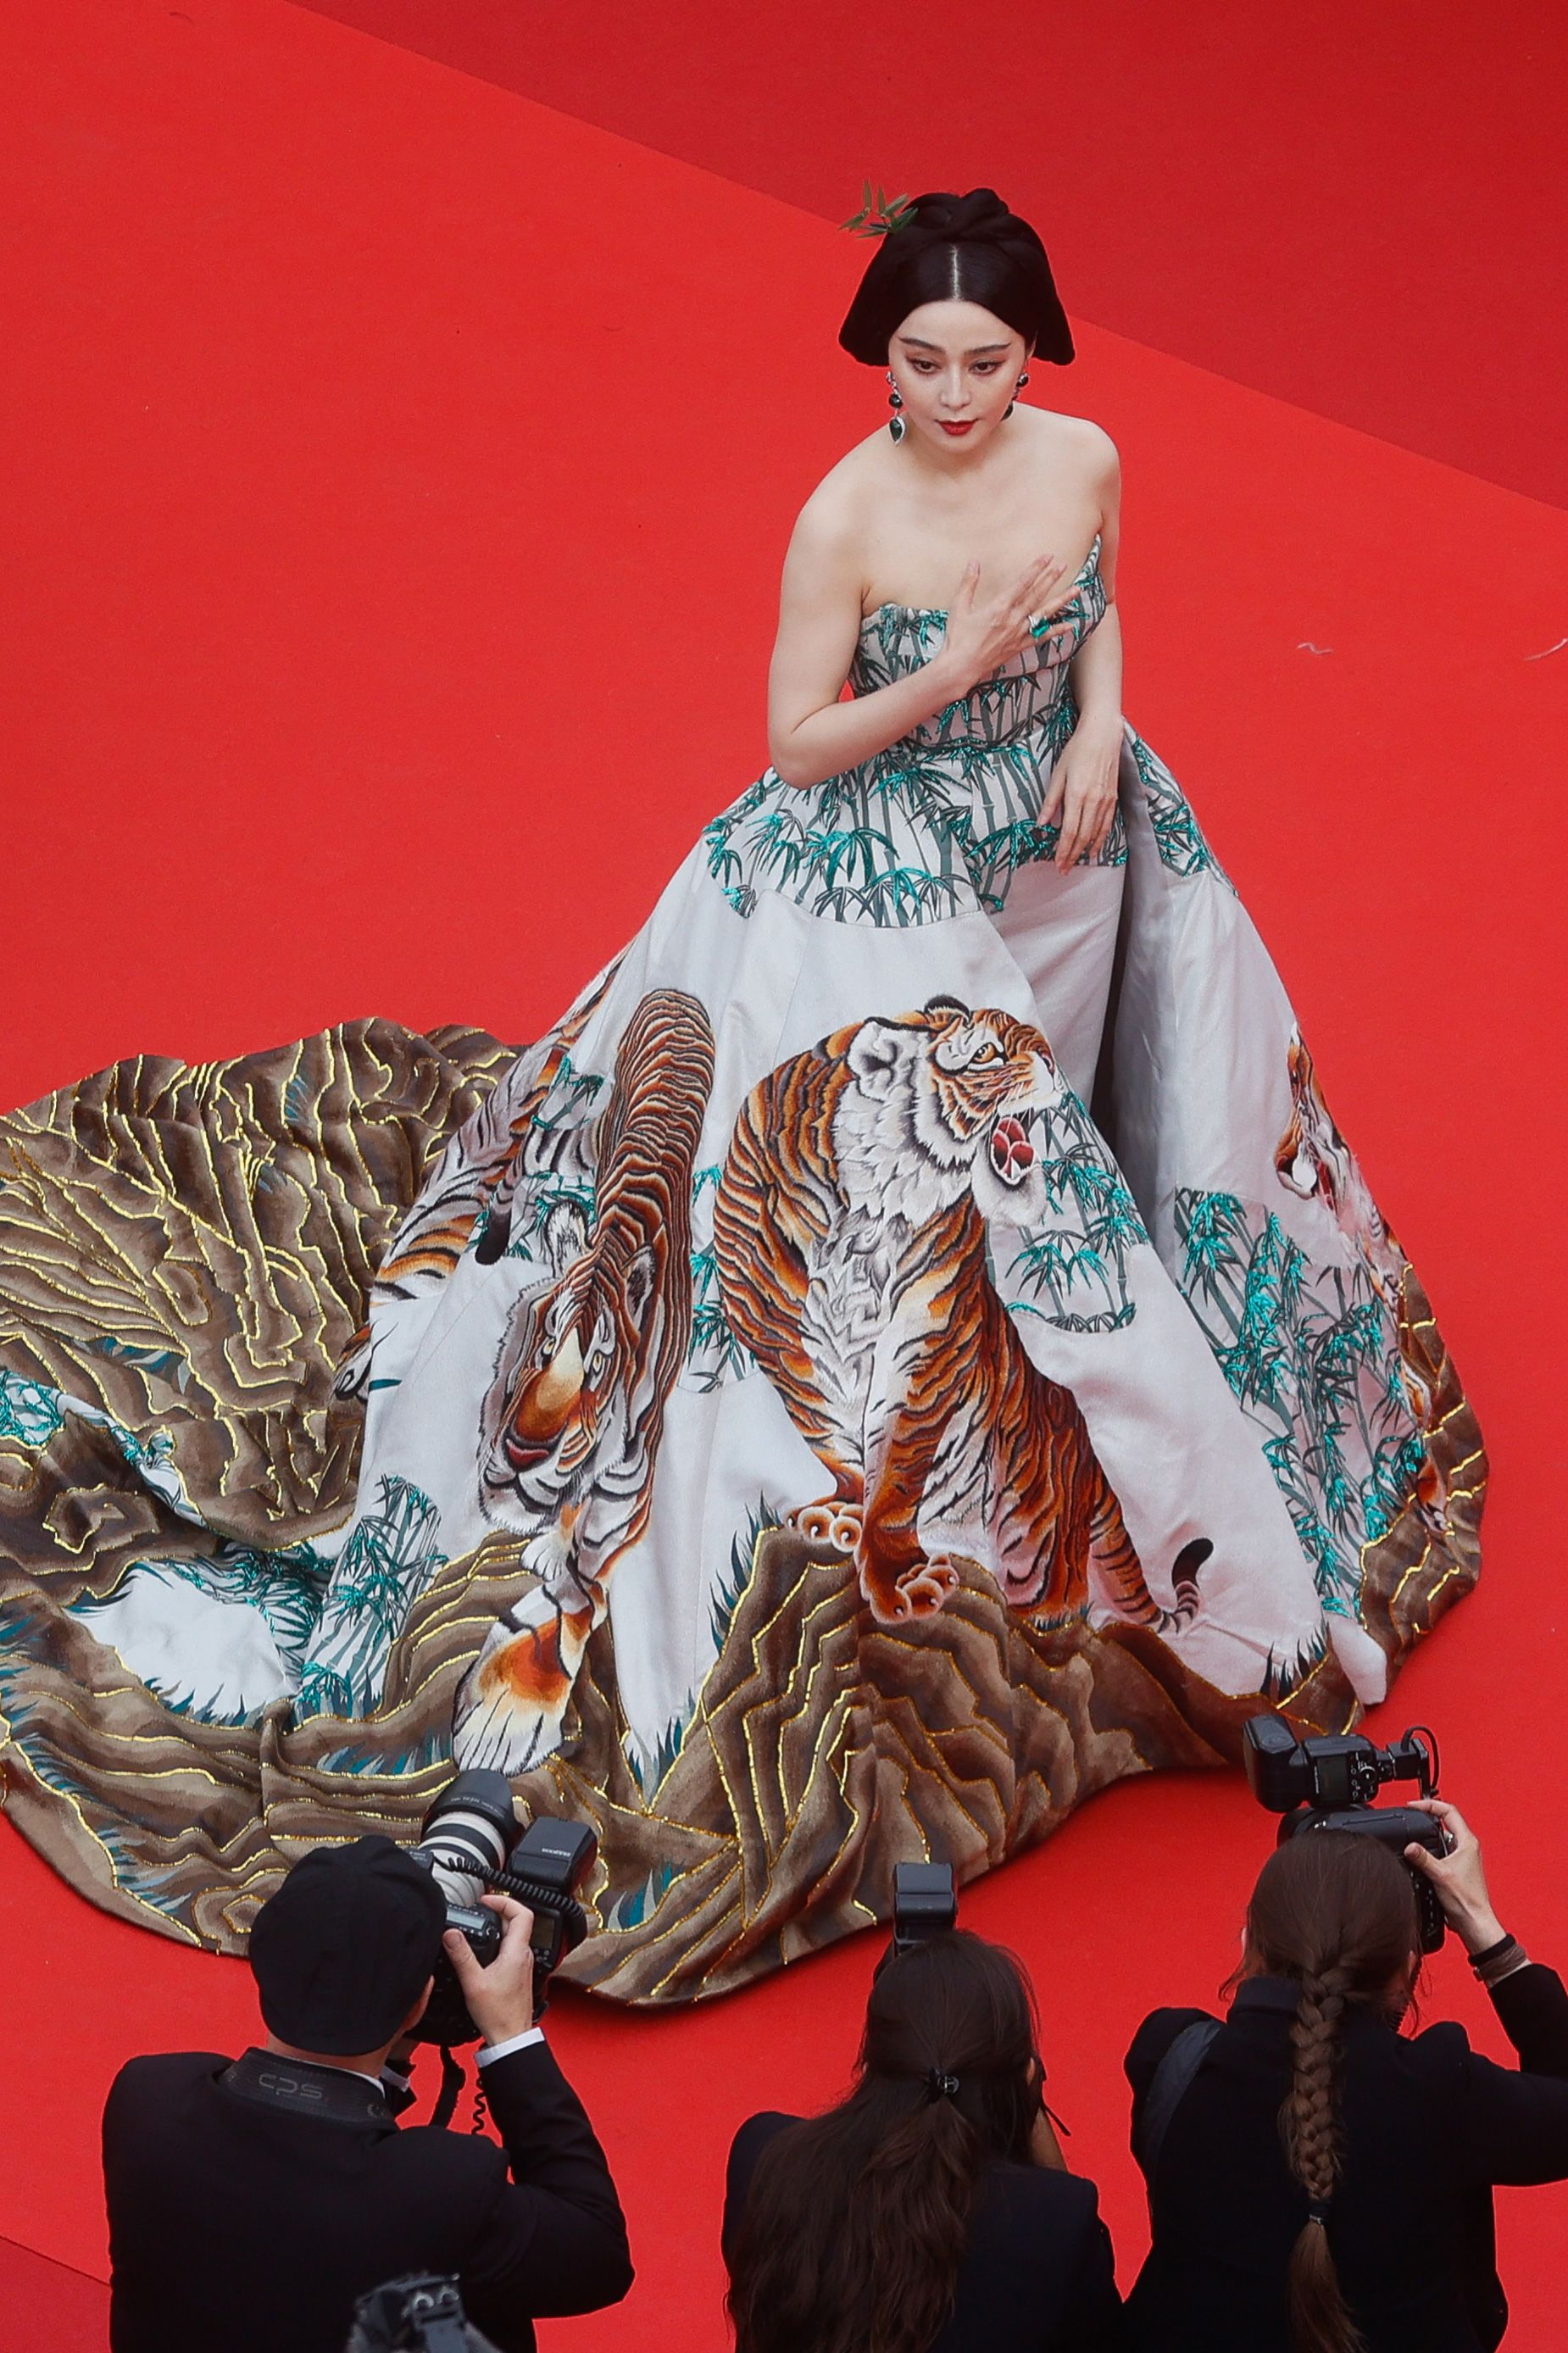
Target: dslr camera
[
  {"x": 470, "y": 1841},
  {"x": 420, "y": 2314},
  {"x": 1331, "y": 1783}
]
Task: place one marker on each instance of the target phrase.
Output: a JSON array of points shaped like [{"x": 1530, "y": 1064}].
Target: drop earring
[
  {"x": 896, "y": 424},
  {"x": 1012, "y": 404}
]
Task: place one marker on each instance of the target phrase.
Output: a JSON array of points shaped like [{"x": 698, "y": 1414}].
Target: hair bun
[
  {"x": 980, "y": 214},
  {"x": 924, "y": 259}
]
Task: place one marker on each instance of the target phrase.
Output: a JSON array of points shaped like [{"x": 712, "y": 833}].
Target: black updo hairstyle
[{"x": 948, "y": 248}]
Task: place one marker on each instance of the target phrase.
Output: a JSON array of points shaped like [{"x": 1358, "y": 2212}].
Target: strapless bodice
[
  {"x": 1025, "y": 694},
  {"x": 938, "y": 823}
]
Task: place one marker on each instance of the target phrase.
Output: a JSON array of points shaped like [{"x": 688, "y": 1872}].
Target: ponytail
[
  {"x": 856, "y": 2222},
  {"x": 1336, "y": 1913},
  {"x": 854, "y": 2230}
]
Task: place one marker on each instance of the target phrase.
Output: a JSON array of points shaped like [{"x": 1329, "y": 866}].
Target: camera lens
[{"x": 468, "y": 1832}]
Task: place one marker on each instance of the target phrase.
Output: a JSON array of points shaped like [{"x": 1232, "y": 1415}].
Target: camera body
[
  {"x": 470, "y": 1841},
  {"x": 422, "y": 2313},
  {"x": 1330, "y": 1783}
]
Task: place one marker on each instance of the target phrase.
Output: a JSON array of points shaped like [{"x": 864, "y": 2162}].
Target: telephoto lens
[
  {"x": 470, "y": 1843},
  {"x": 469, "y": 1833},
  {"x": 465, "y": 1842}
]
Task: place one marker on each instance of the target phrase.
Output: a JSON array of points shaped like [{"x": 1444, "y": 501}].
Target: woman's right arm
[
  {"x": 1515, "y": 2129},
  {"x": 1514, "y": 2125},
  {"x": 812, "y": 734}
]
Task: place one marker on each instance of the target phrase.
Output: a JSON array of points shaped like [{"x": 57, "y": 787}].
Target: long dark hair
[
  {"x": 857, "y": 2221},
  {"x": 1337, "y": 1913}
]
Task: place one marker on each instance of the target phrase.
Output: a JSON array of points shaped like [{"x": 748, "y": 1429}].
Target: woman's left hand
[
  {"x": 1082, "y": 794},
  {"x": 1459, "y": 1876}
]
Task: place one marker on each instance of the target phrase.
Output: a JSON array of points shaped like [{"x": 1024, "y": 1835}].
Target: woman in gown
[{"x": 908, "y": 1347}]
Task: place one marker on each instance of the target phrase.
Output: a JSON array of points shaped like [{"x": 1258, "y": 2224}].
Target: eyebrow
[{"x": 975, "y": 351}]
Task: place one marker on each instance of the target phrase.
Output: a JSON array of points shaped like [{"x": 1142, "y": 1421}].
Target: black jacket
[
  {"x": 1039, "y": 2275},
  {"x": 1428, "y": 2127},
  {"x": 238, "y": 2224}
]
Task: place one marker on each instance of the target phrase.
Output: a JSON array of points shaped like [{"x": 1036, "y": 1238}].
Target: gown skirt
[{"x": 908, "y": 1348}]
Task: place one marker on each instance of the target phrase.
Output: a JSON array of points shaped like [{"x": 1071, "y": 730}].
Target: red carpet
[
  {"x": 391, "y": 592},
  {"x": 48, "y": 2307}
]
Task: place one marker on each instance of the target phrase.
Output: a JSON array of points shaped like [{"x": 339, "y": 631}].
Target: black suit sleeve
[
  {"x": 554, "y": 2240},
  {"x": 745, "y": 2151},
  {"x": 1516, "y": 2125},
  {"x": 1091, "y": 2313}
]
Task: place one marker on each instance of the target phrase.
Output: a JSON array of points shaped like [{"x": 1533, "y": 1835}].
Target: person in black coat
[
  {"x": 930, "y": 2212},
  {"x": 1320, "y": 2172},
  {"x": 252, "y": 2202}
]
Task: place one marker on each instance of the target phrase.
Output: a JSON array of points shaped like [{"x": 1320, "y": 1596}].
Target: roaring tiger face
[
  {"x": 943, "y": 1102},
  {"x": 850, "y": 1226}
]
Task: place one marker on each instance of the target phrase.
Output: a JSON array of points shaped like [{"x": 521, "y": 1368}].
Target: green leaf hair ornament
[{"x": 879, "y": 217}]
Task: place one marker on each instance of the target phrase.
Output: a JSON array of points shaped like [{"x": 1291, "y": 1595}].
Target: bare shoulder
[
  {"x": 1083, "y": 444},
  {"x": 829, "y": 534},
  {"x": 836, "y": 507}
]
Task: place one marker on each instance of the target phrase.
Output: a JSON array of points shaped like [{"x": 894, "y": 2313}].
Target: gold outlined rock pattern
[{"x": 220, "y": 1226}]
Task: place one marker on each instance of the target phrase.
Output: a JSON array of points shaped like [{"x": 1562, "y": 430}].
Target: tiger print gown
[{"x": 911, "y": 1346}]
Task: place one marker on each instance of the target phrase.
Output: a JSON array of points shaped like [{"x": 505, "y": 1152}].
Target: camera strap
[
  {"x": 451, "y": 2084},
  {"x": 291, "y": 2087},
  {"x": 1172, "y": 2080}
]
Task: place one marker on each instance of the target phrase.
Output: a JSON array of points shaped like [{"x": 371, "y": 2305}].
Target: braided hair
[{"x": 1337, "y": 1913}]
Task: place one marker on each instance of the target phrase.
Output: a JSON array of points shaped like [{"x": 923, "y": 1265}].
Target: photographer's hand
[
  {"x": 499, "y": 1997},
  {"x": 1458, "y": 1877}
]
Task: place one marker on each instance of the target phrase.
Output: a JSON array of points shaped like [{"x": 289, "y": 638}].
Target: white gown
[{"x": 908, "y": 1347}]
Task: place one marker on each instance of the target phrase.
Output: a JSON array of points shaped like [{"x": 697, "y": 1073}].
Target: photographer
[
  {"x": 251, "y": 2203},
  {"x": 930, "y": 2211},
  {"x": 1323, "y": 2183}
]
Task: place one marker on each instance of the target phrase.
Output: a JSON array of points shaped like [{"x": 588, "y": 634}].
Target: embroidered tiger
[
  {"x": 850, "y": 1228},
  {"x": 1314, "y": 1160},
  {"x": 477, "y": 1178},
  {"x": 570, "y": 1427}
]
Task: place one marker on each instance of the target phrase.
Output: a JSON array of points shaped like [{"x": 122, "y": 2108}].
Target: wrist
[
  {"x": 945, "y": 678},
  {"x": 1478, "y": 1931},
  {"x": 503, "y": 2024},
  {"x": 489, "y": 2051}
]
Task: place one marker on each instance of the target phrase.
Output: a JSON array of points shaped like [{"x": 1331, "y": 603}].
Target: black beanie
[{"x": 342, "y": 1953}]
